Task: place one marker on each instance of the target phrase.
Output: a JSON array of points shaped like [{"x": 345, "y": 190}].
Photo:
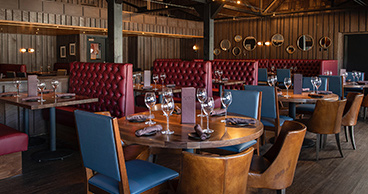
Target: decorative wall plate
[{"x": 225, "y": 44}]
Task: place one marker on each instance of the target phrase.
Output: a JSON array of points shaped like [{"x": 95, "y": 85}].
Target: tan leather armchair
[
  {"x": 351, "y": 113},
  {"x": 365, "y": 105},
  {"x": 276, "y": 168},
  {"x": 202, "y": 174}
]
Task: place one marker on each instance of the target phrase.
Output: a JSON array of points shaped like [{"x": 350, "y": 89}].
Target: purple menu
[
  {"x": 188, "y": 106},
  {"x": 32, "y": 85},
  {"x": 298, "y": 83},
  {"x": 147, "y": 78}
]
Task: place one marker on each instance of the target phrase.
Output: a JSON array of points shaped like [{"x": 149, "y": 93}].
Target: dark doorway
[{"x": 355, "y": 54}]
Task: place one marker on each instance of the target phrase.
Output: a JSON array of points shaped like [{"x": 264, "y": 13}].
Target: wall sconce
[
  {"x": 27, "y": 50},
  {"x": 195, "y": 48},
  {"x": 267, "y": 43},
  {"x": 259, "y": 43}
]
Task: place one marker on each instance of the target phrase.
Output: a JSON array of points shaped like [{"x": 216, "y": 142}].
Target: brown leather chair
[
  {"x": 132, "y": 152},
  {"x": 202, "y": 174},
  {"x": 351, "y": 113},
  {"x": 276, "y": 168},
  {"x": 365, "y": 105},
  {"x": 326, "y": 119}
]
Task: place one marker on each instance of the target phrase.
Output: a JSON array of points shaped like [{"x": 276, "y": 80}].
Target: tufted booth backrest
[
  {"x": 186, "y": 73},
  {"x": 111, "y": 83},
  {"x": 12, "y": 67},
  {"x": 246, "y": 70}
]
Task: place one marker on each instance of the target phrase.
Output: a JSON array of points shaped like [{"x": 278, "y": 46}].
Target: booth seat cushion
[
  {"x": 142, "y": 176},
  {"x": 240, "y": 147},
  {"x": 12, "y": 141}
]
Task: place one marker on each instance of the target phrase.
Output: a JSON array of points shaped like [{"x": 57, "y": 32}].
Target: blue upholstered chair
[
  {"x": 309, "y": 108},
  {"x": 282, "y": 74},
  {"x": 247, "y": 103},
  {"x": 103, "y": 158},
  {"x": 270, "y": 116},
  {"x": 335, "y": 84},
  {"x": 350, "y": 77},
  {"x": 262, "y": 75}
]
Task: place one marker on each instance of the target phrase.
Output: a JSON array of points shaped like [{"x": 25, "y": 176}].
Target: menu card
[
  {"x": 188, "y": 105},
  {"x": 147, "y": 78},
  {"x": 32, "y": 85},
  {"x": 298, "y": 83}
]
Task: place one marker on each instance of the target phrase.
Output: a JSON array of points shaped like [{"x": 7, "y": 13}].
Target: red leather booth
[{"x": 12, "y": 67}]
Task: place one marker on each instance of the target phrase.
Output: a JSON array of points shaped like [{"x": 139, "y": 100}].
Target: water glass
[
  {"x": 150, "y": 101},
  {"x": 41, "y": 87},
  {"x": 167, "y": 93},
  {"x": 17, "y": 86},
  {"x": 207, "y": 108},
  {"x": 155, "y": 79},
  {"x": 202, "y": 97},
  {"x": 167, "y": 107},
  {"x": 313, "y": 84},
  {"x": 220, "y": 73},
  {"x": 226, "y": 99},
  {"x": 270, "y": 80},
  {"x": 358, "y": 75},
  {"x": 216, "y": 75},
  {"x": 163, "y": 77},
  {"x": 287, "y": 83},
  {"x": 318, "y": 83},
  {"x": 274, "y": 80},
  {"x": 54, "y": 84}
]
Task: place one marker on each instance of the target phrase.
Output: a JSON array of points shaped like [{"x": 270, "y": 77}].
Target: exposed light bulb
[
  {"x": 23, "y": 50},
  {"x": 267, "y": 43},
  {"x": 259, "y": 43},
  {"x": 31, "y": 50},
  {"x": 238, "y": 2}
]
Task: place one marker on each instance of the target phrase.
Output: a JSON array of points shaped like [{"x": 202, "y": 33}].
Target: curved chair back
[
  {"x": 282, "y": 157},
  {"x": 335, "y": 84},
  {"x": 269, "y": 101},
  {"x": 327, "y": 117},
  {"x": 352, "y": 108},
  {"x": 247, "y": 103},
  {"x": 262, "y": 75},
  {"x": 282, "y": 74},
  {"x": 307, "y": 84},
  {"x": 202, "y": 174}
]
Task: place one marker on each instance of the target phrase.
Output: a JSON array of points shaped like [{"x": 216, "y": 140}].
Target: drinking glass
[
  {"x": 17, "y": 85},
  {"x": 155, "y": 79},
  {"x": 358, "y": 75},
  {"x": 287, "y": 83},
  {"x": 274, "y": 80},
  {"x": 207, "y": 108},
  {"x": 150, "y": 101},
  {"x": 41, "y": 87},
  {"x": 318, "y": 83},
  {"x": 220, "y": 73},
  {"x": 216, "y": 75},
  {"x": 272, "y": 68},
  {"x": 54, "y": 84},
  {"x": 270, "y": 80},
  {"x": 167, "y": 107},
  {"x": 313, "y": 84},
  {"x": 162, "y": 77},
  {"x": 167, "y": 93},
  {"x": 226, "y": 99},
  {"x": 202, "y": 97},
  {"x": 353, "y": 75}
]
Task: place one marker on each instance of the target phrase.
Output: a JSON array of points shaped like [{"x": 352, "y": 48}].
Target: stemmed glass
[
  {"x": 54, "y": 84},
  {"x": 287, "y": 83},
  {"x": 317, "y": 83},
  {"x": 150, "y": 101},
  {"x": 274, "y": 80},
  {"x": 207, "y": 108},
  {"x": 358, "y": 74},
  {"x": 162, "y": 77},
  {"x": 167, "y": 93},
  {"x": 216, "y": 75},
  {"x": 354, "y": 75},
  {"x": 272, "y": 68},
  {"x": 226, "y": 99},
  {"x": 41, "y": 87},
  {"x": 17, "y": 85},
  {"x": 220, "y": 73},
  {"x": 167, "y": 107},
  {"x": 155, "y": 79},
  {"x": 202, "y": 97},
  {"x": 270, "y": 80},
  {"x": 313, "y": 79}
]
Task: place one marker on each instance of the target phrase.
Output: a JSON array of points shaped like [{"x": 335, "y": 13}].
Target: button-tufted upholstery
[
  {"x": 12, "y": 67},
  {"x": 246, "y": 70}
]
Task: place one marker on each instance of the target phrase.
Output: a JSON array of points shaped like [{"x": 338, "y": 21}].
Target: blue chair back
[
  {"x": 97, "y": 143},
  {"x": 262, "y": 74},
  {"x": 334, "y": 84},
  {"x": 246, "y": 103},
  {"x": 282, "y": 74},
  {"x": 350, "y": 77},
  {"x": 269, "y": 104},
  {"x": 307, "y": 84}
]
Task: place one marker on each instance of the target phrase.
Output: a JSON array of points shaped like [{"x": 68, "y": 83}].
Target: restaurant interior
[{"x": 183, "y": 96}]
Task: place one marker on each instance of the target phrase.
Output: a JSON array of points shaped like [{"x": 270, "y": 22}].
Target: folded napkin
[
  {"x": 170, "y": 85},
  {"x": 65, "y": 95},
  {"x": 199, "y": 131},
  {"x": 138, "y": 118},
  {"x": 315, "y": 95},
  {"x": 218, "y": 112},
  {"x": 7, "y": 94},
  {"x": 240, "y": 121},
  {"x": 148, "y": 130},
  {"x": 324, "y": 92},
  {"x": 177, "y": 110},
  {"x": 31, "y": 98},
  {"x": 147, "y": 87},
  {"x": 305, "y": 89}
]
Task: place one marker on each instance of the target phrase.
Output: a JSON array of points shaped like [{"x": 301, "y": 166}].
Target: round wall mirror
[
  {"x": 290, "y": 49},
  {"x": 325, "y": 42},
  {"x": 305, "y": 42},
  {"x": 250, "y": 43},
  {"x": 216, "y": 51},
  {"x": 236, "y": 51},
  {"x": 225, "y": 44},
  {"x": 277, "y": 40},
  {"x": 238, "y": 38}
]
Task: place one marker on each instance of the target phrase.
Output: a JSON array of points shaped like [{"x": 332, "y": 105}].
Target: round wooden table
[{"x": 223, "y": 135}]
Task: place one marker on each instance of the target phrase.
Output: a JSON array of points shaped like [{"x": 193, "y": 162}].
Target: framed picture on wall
[
  {"x": 72, "y": 49},
  {"x": 62, "y": 51}
]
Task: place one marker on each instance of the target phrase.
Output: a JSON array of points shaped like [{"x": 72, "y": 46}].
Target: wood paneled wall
[
  {"x": 291, "y": 27},
  {"x": 44, "y": 55}
]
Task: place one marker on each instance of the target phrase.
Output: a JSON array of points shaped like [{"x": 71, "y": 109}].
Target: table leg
[
  {"x": 160, "y": 98},
  {"x": 26, "y": 120},
  {"x": 52, "y": 129}
]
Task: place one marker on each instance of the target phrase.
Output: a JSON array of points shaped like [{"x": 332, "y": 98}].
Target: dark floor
[{"x": 331, "y": 174}]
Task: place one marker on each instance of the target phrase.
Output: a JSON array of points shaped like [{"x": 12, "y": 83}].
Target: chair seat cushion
[
  {"x": 286, "y": 118},
  {"x": 240, "y": 147},
  {"x": 12, "y": 141},
  {"x": 142, "y": 176},
  {"x": 305, "y": 107}
]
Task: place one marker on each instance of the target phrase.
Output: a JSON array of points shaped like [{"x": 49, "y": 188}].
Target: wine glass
[
  {"x": 155, "y": 79},
  {"x": 202, "y": 97},
  {"x": 274, "y": 80},
  {"x": 358, "y": 75},
  {"x": 353, "y": 75},
  {"x": 226, "y": 99},
  {"x": 150, "y": 101},
  {"x": 17, "y": 85},
  {"x": 207, "y": 108},
  {"x": 272, "y": 68},
  {"x": 220, "y": 73},
  {"x": 162, "y": 77},
  {"x": 270, "y": 80},
  {"x": 41, "y": 87},
  {"x": 287, "y": 83},
  {"x": 167, "y": 93},
  {"x": 167, "y": 107},
  {"x": 318, "y": 83},
  {"x": 216, "y": 75},
  {"x": 313, "y": 84},
  {"x": 55, "y": 84}
]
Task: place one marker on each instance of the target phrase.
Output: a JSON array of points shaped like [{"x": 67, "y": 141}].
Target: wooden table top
[
  {"x": 304, "y": 98},
  {"x": 139, "y": 88},
  {"x": 354, "y": 85},
  {"x": 228, "y": 82},
  {"x": 49, "y": 103},
  {"x": 180, "y": 139}
]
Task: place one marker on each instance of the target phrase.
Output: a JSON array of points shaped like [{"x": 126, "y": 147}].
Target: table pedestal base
[
  {"x": 47, "y": 155},
  {"x": 35, "y": 141}
]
